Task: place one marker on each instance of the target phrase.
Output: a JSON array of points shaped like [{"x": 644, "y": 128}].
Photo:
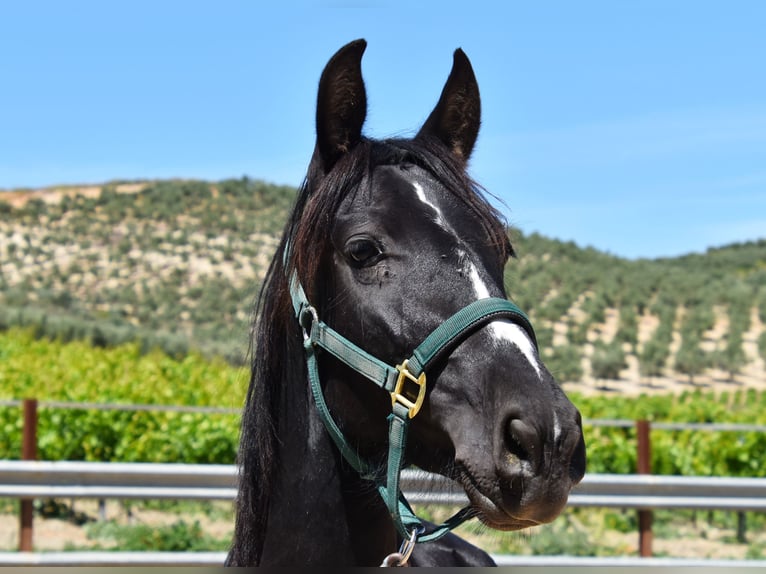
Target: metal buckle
[
  {"x": 307, "y": 317},
  {"x": 412, "y": 400}
]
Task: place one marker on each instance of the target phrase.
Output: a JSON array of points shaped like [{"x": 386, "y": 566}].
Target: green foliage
[
  {"x": 79, "y": 372},
  {"x": 180, "y": 536},
  {"x": 732, "y": 356},
  {"x": 691, "y": 359},
  {"x": 176, "y": 264},
  {"x": 652, "y": 358},
  {"x": 607, "y": 360},
  {"x": 50, "y": 370},
  {"x": 627, "y": 331},
  {"x": 125, "y": 266},
  {"x": 688, "y": 452},
  {"x": 563, "y": 537},
  {"x": 563, "y": 361}
]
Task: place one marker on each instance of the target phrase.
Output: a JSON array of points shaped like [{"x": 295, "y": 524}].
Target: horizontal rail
[
  {"x": 677, "y": 426},
  {"x": 100, "y": 558},
  {"x": 552, "y": 564},
  {"x": 72, "y": 479},
  {"x": 75, "y": 479},
  {"x": 78, "y": 406}
]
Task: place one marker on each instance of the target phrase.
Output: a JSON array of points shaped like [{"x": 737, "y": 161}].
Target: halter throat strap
[{"x": 406, "y": 384}]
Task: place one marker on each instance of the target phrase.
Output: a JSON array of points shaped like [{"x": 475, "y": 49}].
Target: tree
[
  {"x": 627, "y": 331},
  {"x": 607, "y": 360},
  {"x": 691, "y": 359},
  {"x": 563, "y": 361},
  {"x": 653, "y": 357},
  {"x": 732, "y": 357}
]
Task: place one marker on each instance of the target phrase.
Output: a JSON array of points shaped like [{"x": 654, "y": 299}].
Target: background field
[
  {"x": 141, "y": 293},
  {"x": 176, "y": 265}
]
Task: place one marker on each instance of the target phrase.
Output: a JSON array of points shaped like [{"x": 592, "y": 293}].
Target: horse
[{"x": 383, "y": 339}]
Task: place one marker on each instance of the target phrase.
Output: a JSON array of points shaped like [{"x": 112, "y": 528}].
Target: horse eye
[{"x": 363, "y": 252}]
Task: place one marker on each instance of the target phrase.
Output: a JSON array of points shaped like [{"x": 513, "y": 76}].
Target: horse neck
[{"x": 320, "y": 512}]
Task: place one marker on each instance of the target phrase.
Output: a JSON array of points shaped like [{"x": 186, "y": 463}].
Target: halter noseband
[{"x": 406, "y": 384}]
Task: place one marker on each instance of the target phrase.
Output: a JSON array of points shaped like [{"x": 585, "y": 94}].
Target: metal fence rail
[
  {"x": 74, "y": 479},
  {"x": 552, "y": 564},
  {"x": 69, "y": 479}
]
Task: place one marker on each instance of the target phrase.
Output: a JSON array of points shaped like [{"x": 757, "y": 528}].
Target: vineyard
[
  {"x": 176, "y": 265},
  {"x": 79, "y": 372},
  {"x": 142, "y": 293}
]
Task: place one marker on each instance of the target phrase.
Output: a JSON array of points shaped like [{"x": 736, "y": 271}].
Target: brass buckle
[{"x": 410, "y": 398}]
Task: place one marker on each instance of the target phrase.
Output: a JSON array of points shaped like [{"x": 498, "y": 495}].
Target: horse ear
[
  {"x": 456, "y": 118},
  {"x": 341, "y": 104}
]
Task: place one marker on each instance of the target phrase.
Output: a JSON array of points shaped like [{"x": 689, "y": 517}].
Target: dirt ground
[
  {"x": 64, "y": 533},
  {"x": 692, "y": 540}
]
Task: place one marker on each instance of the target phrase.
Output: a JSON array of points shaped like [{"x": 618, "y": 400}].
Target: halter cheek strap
[{"x": 406, "y": 383}]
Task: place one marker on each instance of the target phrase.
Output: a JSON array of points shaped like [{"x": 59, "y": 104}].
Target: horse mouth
[
  {"x": 493, "y": 516},
  {"x": 504, "y": 506}
]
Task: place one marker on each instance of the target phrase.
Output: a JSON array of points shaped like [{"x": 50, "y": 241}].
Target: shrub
[{"x": 607, "y": 360}]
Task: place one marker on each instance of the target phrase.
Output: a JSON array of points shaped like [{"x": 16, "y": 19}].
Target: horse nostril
[
  {"x": 522, "y": 443},
  {"x": 577, "y": 462}
]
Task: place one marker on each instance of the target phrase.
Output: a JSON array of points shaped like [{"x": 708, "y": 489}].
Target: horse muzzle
[{"x": 535, "y": 461}]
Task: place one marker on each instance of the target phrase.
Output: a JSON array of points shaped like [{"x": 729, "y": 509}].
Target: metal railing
[
  {"x": 73, "y": 479},
  {"x": 30, "y": 479},
  {"x": 552, "y": 564}
]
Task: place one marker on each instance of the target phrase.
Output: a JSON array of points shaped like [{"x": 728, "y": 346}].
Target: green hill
[{"x": 177, "y": 264}]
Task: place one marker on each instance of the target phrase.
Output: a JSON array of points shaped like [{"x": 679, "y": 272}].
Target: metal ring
[
  {"x": 308, "y": 316},
  {"x": 393, "y": 560}
]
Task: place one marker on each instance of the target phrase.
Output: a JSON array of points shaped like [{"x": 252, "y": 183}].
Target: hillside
[{"x": 176, "y": 264}]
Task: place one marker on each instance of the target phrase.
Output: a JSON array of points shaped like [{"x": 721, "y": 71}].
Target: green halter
[{"x": 407, "y": 385}]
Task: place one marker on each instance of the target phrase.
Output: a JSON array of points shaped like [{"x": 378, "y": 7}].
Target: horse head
[
  {"x": 393, "y": 262},
  {"x": 395, "y": 239}
]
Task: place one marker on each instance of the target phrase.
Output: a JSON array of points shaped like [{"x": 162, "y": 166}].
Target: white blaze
[
  {"x": 505, "y": 330},
  {"x": 500, "y": 330},
  {"x": 422, "y": 197}
]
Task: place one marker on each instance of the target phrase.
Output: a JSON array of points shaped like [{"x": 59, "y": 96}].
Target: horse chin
[
  {"x": 494, "y": 517},
  {"x": 497, "y": 518},
  {"x": 508, "y": 509}
]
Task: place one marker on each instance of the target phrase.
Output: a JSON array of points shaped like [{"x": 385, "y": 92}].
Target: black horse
[{"x": 388, "y": 243}]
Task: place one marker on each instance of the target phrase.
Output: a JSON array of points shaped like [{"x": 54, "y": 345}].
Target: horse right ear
[
  {"x": 341, "y": 104},
  {"x": 456, "y": 118}
]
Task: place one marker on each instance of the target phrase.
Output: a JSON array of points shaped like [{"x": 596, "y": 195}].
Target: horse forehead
[
  {"x": 398, "y": 179},
  {"x": 409, "y": 187}
]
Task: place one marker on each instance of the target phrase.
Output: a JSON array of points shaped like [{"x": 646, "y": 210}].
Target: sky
[{"x": 637, "y": 128}]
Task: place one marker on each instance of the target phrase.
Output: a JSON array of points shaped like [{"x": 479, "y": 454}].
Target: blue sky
[{"x": 638, "y": 128}]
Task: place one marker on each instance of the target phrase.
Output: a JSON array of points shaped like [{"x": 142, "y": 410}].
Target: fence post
[
  {"x": 644, "y": 464},
  {"x": 28, "y": 452}
]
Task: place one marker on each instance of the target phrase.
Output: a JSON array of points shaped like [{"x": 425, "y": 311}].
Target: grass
[{"x": 180, "y": 536}]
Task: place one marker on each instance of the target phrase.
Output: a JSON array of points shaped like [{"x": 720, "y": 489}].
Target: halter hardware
[
  {"x": 402, "y": 557},
  {"x": 406, "y": 383},
  {"x": 413, "y": 401}
]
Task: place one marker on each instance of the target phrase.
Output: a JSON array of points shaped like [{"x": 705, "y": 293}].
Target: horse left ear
[
  {"x": 456, "y": 118},
  {"x": 341, "y": 104}
]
